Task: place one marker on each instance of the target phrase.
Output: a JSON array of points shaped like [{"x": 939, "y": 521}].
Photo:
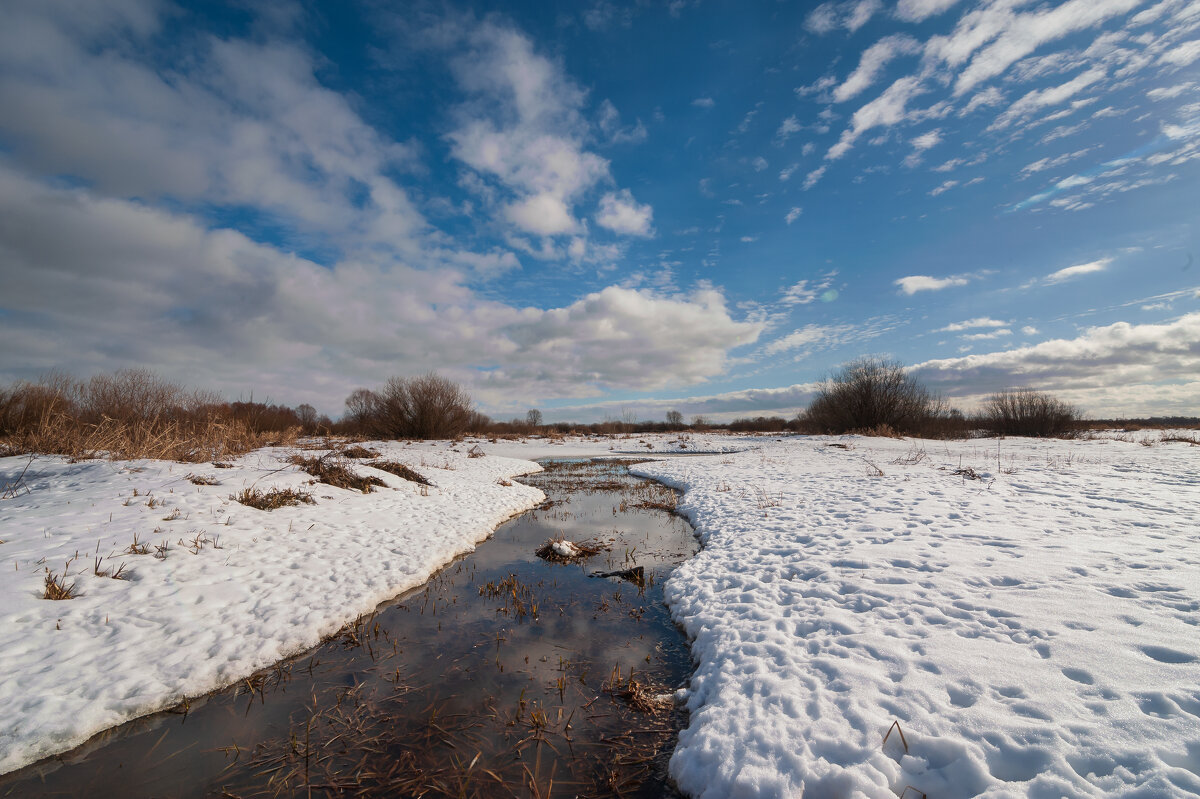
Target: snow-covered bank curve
[
  {"x": 273, "y": 584},
  {"x": 1034, "y": 632}
]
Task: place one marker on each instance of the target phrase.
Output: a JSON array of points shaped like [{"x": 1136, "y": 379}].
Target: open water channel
[{"x": 506, "y": 675}]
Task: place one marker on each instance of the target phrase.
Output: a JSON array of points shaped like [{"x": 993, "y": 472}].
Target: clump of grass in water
[
  {"x": 275, "y": 498},
  {"x": 560, "y": 550},
  {"x": 401, "y": 471},
  {"x": 336, "y": 474}
]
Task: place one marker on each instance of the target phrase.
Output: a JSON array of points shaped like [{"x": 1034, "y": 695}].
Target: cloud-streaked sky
[{"x": 604, "y": 209}]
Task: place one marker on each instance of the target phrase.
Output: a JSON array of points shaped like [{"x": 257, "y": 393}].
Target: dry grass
[
  {"x": 580, "y": 551},
  {"x": 358, "y": 452},
  {"x": 400, "y": 470},
  {"x": 275, "y": 498},
  {"x": 202, "y": 480},
  {"x": 57, "y": 586},
  {"x": 330, "y": 471}
]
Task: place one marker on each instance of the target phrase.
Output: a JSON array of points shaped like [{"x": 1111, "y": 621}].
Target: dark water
[{"x": 506, "y": 675}]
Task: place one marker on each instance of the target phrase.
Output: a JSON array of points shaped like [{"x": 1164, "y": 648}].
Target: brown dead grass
[
  {"x": 586, "y": 549},
  {"x": 272, "y": 499},
  {"x": 400, "y": 470},
  {"x": 57, "y": 586},
  {"x": 332, "y": 472}
]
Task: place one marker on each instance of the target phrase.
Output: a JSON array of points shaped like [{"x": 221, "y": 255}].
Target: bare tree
[
  {"x": 533, "y": 417},
  {"x": 675, "y": 418},
  {"x": 308, "y": 416}
]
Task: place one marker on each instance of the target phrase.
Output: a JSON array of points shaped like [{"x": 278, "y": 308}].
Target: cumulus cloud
[
  {"x": 522, "y": 129},
  {"x": 620, "y": 213},
  {"x": 1125, "y": 364},
  {"x": 913, "y": 283},
  {"x": 248, "y": 125},
  {"x": 704, "y": 102},
  {"x": 93, "y": 267},
  {"x": 1077, "y": 270},
  {"x": 887, "y": 109}
]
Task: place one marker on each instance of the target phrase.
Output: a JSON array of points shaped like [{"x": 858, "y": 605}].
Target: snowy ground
[
  {"x": 238, "y": 590},
  {"x": 1035, "y": 632}
]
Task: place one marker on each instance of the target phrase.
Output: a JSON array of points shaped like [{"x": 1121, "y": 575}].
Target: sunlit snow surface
[
  {"x": 183, "y": 625},
  {"x": 1034, "y": 632}
]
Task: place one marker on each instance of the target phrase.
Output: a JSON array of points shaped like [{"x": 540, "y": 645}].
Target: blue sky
[{"x": 606, "y": 209}]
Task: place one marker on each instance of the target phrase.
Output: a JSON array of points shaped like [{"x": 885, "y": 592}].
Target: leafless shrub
[
  {"x": 1025, "y": 412},
  {"x": 275, "y": 498},
  {"x": 411, "y": 407},
  {"x": 873, "y": 395}
]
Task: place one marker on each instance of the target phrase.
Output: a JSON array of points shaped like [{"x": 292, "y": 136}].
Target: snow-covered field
[
  {"x": 1034, "y": 632},
  {"x": 238, "y": 590}
]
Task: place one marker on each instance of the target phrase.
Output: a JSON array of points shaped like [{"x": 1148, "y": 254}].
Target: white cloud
[
  {"x": 93, "y": 269},
  {"x": 1015, "y": 35},
  {"x": 927, "y": 140},
  {"x": 968, "y": 324},
  {"x": 913, "y": 283},
  {"x": 994, "y": 334},
  {"x": 620, "y": 213},
  {"x": 919, "y": 10},
  {"x": 1169, "y": 92},
  {"x": 813, "y": 338},
  {"x": 1117, "y": 365},
  {"x": 887, "y": 109},
  {"x": 1080, "y": 269},
  {"x": 942, "y": 188},
  {"x": 759, "y": 164},
  {"x": 814, "y": 177},
  {"x": 787, "y": 127},
  {"x": 848, "y": 14},
  {"x": 871, "y": 65},
  {"x": 1029, "y": 330},
  {"x": 1182, "y": 55},
  {"x": 522, "y": 130},
  {"x": 787, "y": 172},
  {"x": 1041, "y": 98},
  {"x": 793, "y": 214},
  {"x": 800, "y": 294},
  {"x": 704, "y": 102}
]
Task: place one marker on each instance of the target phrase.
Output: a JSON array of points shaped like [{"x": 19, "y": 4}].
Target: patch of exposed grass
[
  {"x": 331, "y": 472},
  {"x": 400, "y": 470},
  {"x": 358, "y": 452},
  {"x": 57, "y": 586},
  {"x": 275, "y": 498},
  {"x": 202, "y": 479}
]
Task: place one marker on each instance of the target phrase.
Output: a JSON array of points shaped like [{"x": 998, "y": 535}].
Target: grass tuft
[
  {"x": 57, "y": 586},
  {"x": 359, "y": 452},
  {"x": 275, "y": 498},
  {"x": 400, "y": 470},
  {"x": 336, "y": 474}
]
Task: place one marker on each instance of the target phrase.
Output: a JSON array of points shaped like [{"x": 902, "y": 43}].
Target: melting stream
[{"x": 505, "y": 675}]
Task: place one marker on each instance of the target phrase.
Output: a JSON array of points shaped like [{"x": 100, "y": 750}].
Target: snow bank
[
  {"x": 1033, "y": 631},
  {"x": 239, "y": 588}
]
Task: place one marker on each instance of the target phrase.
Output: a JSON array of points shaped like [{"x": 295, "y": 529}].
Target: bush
[
  {"x": 412, "y": 407},
  {"x": 1025, "y": 412},
  {"x": 872, "y": 394}
]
